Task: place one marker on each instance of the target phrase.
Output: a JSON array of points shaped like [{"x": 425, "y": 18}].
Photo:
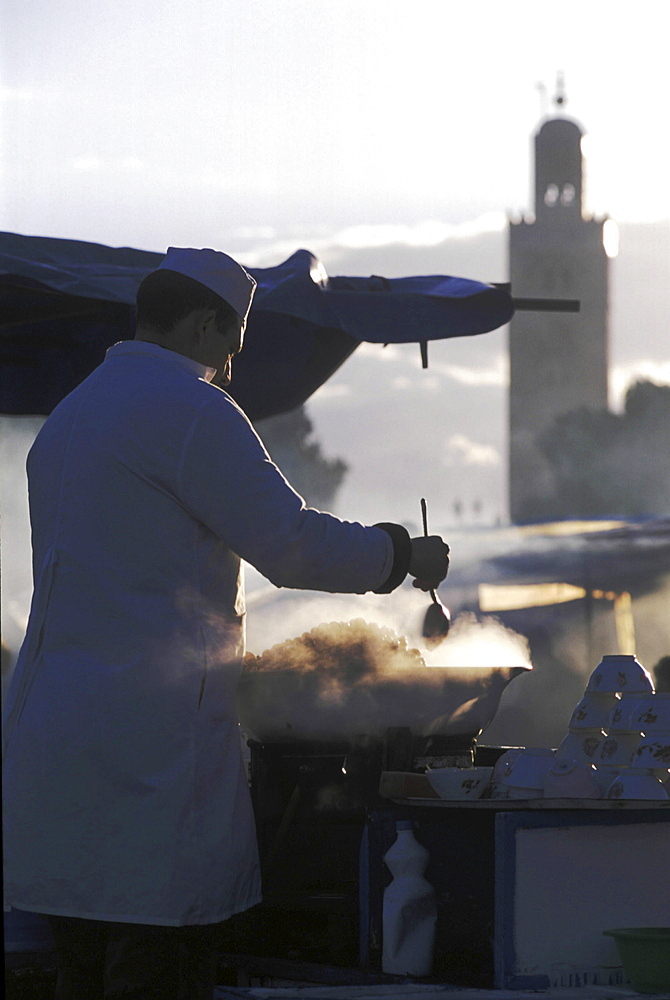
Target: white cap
[{"x": 217, "y": 271}]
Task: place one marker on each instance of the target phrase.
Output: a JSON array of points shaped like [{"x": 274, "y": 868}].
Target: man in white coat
[{"x": 127, "y": 813}]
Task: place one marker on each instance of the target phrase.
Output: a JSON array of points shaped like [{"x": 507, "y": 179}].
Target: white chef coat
[{"x": 125, "y": 793}]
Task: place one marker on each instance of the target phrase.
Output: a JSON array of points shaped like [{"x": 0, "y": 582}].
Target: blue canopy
[
  {"x": 628, "y": 557},
  {"x": 64, "y": 302}
]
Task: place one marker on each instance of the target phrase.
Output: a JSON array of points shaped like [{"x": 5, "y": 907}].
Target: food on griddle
[{"x": 355, "y": 650}]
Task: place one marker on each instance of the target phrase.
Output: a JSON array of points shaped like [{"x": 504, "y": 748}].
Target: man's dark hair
[{"x": 165, "y": 297}]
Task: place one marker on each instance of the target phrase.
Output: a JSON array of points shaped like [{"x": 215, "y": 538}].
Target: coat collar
[{"x": 146, "y": 348}]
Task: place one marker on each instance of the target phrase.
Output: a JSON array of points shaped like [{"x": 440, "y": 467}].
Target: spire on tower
[{"x": 560, "y": 97}]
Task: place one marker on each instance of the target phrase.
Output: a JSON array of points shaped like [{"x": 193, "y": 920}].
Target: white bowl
[
  {"x": 637, "y": 783},
  {"x": 653, "y": 751},
  {"x": 530, "y": 767},
  {"x": 593, "y": 711},
  {"x": 623, "y": 716},
  {"x": 606, "y": 775},
  {"x": 523, "y": 792},
  {"x": 581, "y": 745},
  {"x": 501, "y": 771},
  {"x": 498, "y": 791},
  {"x": 571, "y": 779},
  {"x": 523, "y": 776},
  {"x": 459, "y": 782},
  {"x": 620, "y": 672},
  {"x": 653, "y": 713},
  {"x": 504, "y": 764},
  {"x": 617, "y": 750}
]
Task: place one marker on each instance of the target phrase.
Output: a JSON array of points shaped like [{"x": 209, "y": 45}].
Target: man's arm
[{"x": 229, "y": 482}]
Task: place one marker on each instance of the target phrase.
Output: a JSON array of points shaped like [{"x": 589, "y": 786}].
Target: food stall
[
  {"x": 527, "y": 880},
  {"x": 332, "y": 769}
]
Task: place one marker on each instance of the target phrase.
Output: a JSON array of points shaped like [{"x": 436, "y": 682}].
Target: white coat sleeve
[{"x": 229, "y": 483}]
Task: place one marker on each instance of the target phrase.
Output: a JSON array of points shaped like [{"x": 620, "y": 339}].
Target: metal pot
[{"x": 285, "y": 705}]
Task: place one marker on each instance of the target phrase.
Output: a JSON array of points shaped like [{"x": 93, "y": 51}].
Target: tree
[
  {"x": 288, "y": 439},
  {"x": 606, "y": 463}
]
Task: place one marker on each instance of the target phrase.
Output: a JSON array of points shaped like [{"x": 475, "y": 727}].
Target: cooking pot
[{"x": 288, "y": 706}]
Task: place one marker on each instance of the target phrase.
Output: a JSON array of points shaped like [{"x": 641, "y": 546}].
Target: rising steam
[
  {"x": 473, "y": 641},
  {"x": 355, "y": 652},
  {"x": 346, "y": 678},
  {"x": 480, "y": 642}
]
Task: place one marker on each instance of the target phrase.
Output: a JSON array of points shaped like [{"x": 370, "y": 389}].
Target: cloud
[
  {"x": 132, "y": 164},
  {"x": 389, "y": 352},
  {"x": 28, "y": 95},
  {"x": 460, "y": 450},
  {"x": 335, "y": 391},
  {"x": 272, "y": 254},
  {"x": 87, "y": 164},
  {"x": 254, "y": 233},
  {"x": 495, "y": 374},
  {"x": 429, "y": 233},
  {"x": 424, "y": 383}
]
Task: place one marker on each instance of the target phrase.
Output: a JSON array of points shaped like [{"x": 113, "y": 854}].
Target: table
[{"x": 526, "y": 888}]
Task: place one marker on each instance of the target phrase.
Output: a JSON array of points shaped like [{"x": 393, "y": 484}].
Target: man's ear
[{"x": 205, "y": 320}]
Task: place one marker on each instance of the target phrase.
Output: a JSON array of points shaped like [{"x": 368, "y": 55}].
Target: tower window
[
  {"x": 568, "y": 194},
  {"x": 551, "y": 195}
]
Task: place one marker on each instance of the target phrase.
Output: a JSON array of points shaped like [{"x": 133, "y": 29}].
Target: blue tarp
[
  {"x": 628, "y": 557},
  {"x": 64, "y": 302}
]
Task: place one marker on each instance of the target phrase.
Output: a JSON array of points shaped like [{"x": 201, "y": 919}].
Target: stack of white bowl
[
  {"x": 618, "y": 744},
  {"x": 613, "y": 701},
  {"x": 586, "y": 729},
  {"x": 571, "y": 779},
  {"x": 615, "y": 756},
  {"x": 650, "y": 767},
  {"x": 574, "y": 769}
]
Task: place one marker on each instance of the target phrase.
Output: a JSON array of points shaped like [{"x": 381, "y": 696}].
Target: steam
[
  {"x": 275, "y": 616},
  {"x": 326, "y": 672},
  {"x": 342, "y": 655},
  {"x": 483, "y": 642},
  {"x": 473, "y": 641}
]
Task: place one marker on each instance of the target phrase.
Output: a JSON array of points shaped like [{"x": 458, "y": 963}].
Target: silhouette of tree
[
  {"x": 606, "y": 463},
  {"x": 288, "y": 439}
]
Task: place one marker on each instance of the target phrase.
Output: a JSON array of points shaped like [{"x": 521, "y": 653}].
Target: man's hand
[{"x": 429, "y": 562}]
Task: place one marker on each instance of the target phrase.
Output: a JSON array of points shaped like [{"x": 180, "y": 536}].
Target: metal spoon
[{"x": 437, "y": 620}]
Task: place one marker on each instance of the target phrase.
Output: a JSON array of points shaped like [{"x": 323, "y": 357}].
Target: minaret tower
[{"x": 558, "y": 361}]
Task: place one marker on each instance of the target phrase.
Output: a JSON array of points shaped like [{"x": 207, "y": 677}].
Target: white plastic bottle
[{"x": 409, "y": 912}]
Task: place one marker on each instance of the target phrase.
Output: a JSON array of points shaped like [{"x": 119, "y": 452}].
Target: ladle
[{"x": 437, "y": 620}]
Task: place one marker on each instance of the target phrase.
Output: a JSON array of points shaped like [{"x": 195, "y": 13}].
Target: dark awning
[{"x": 64, "y": 302}]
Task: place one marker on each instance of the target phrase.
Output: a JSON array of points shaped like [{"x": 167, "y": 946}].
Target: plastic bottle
[{"x": 409, "y": 911}]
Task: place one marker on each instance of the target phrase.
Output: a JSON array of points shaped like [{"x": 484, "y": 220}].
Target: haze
[{"x": 240, "y": 123}]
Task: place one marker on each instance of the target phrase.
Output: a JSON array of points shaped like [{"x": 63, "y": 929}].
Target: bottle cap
[{"x": 404, "y": 824}]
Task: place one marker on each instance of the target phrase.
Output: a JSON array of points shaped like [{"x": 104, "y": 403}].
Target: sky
[
  {"x": 257, "y": 125},
  {"x": 388, "y": 137}
]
